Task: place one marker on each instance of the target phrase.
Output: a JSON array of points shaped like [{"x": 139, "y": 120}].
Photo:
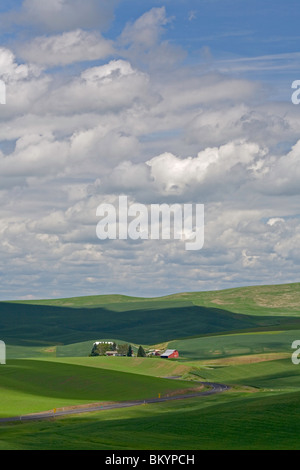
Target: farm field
[
  {"x": 30, "y": 386},
  {"x": 224, "y": 346},
  {"x": 230, "y": 421},
  {"x": 249, "y": 353},
  {"x": 252, "y": 300}
]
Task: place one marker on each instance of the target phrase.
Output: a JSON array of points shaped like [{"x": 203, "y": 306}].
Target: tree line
[{"x": 101, "y": 349}]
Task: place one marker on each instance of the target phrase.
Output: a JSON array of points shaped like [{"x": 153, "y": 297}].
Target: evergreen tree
[
  {"x": 94, "y": 351},
  {"x": 141, "y": 352},
  {"x": 129, "y": 351}
]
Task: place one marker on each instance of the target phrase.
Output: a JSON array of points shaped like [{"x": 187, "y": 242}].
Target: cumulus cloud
[
  {"x": 175, "y": 175},
  {"x": 218, "y": 124},
  {"x": 141, "y": 41},
  {"x": 283, "y": 173},
  {"x": 146, "y": 30},
  {"x": 10, "y": 70},
  {"x": 66, "y": 48},
  {"x": 25, "y": 84},
  {"x": 34, "y": 155},
  {"x": 131, "y": 124},
  {"x": 62, "y": 15},
  {"x": 112, "y": 86}
]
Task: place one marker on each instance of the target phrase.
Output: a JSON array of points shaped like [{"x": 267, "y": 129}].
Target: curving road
[{"x": 214, "y": 388}]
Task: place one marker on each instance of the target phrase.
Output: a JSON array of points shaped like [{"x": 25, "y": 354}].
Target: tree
[
  {"x": 141, "y": 352},
  {"x": 122, "y": 349},
  {"x": 94, "y": 351},
  {"x": 129, "y": 351}
]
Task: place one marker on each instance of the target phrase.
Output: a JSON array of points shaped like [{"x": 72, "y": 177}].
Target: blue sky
[
  {"x": 228, "y": 27},
  {"x": 165, "y": 101},
  {"x": 234, "y": 31}
]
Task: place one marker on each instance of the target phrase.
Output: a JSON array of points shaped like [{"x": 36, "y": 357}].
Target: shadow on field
[{"x": 39, "y": 325}]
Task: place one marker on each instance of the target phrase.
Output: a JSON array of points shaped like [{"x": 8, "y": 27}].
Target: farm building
[
  {"x": 2, "y": 353},
  {"x": 112, "y": 353},
  {"x": 154, "y": 352},
  {"x": 170, "y": 354}
]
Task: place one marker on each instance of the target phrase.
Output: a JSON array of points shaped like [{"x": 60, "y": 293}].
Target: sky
[{"x": 180, "y": 101}]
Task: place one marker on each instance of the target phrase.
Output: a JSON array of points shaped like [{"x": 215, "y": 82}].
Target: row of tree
[{"x": 100, "y": 349}]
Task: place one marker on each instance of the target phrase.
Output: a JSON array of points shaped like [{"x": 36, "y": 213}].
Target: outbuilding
[
  {"x": 112, "y": 353},
  {"x": 170, "y": 354}
]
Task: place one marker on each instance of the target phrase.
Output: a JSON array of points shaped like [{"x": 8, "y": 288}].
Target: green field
[
  {"x": 229, "y": 421},
  {"x": 33, "y": 386},
  {"x": 275, "y": 299},
  {"x": 221, "y": 346},
  {"x": 240, "y": 337}
]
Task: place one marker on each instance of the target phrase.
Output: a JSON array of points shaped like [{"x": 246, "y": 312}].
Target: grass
[
  {"x": 276, "y": 375},
  {"x": 29, "y": 386},
  {"x": 231, "y": 421},
  {"x": 253, "y": 300},
  {"x": 282, "y": 299},
  {"x": 222, "y": 346},
  {"x": 154, "y": 367},
  {"x": 45, "y": 326},
  {"x": 59, "y": 322},
  {"x": 241, "y": 337}
]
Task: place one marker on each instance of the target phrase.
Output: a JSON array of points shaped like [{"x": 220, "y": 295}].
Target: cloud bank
[{"x": 89, "y": 118}]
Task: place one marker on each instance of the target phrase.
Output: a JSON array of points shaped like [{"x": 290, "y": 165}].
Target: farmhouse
[
  {"x": 170, "y": 354},
  {"x": 112, "y": 353},
  {"x": 154, "y": 352},
  {"x": 2, "y": 353}
]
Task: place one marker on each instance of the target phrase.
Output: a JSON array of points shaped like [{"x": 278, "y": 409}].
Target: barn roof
[{"x": 168, "y": 352}]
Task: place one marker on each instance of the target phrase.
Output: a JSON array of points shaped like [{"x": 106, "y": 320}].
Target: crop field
[
  {"x": 49, "y": 367},
  {"x": 34, "y": 386},
  {"x": 230, "y": 421},
  {"x": 224, "y": 346}
]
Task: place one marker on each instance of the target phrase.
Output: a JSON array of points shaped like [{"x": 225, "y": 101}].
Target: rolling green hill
[
  {"x": 29, "y": 386},
  {"x": 226, "y": 346},
  {"x": 241, "y": 337},
  {"x": 150, "y": 321},
  {"x": 272, "y": 300},
  {"x": 35, "y": 325}
]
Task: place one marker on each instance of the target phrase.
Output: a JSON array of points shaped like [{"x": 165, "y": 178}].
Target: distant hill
[
  {"x": 275, "y": 299},
  {"x": 150, "y": 321}
]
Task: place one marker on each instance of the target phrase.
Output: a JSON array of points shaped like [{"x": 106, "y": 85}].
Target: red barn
[{"x": 170, "y": 354}]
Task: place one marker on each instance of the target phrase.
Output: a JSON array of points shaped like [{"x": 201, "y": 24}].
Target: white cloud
[
  {"x": 35, "y": 155},
  {"x": 282, "y": 173},
  {"x": 10, "y": 70},
  {"x": 174, "y": 175},
  {"x": 71, "y": 139},
  {"x": 146, "y": 30},
  {"x": 106, "y": 88},
  {"x": 66, "y": 48},
  {"x": 275, "y": 220},
  {"x": 141, "y": 42},
  {"x": 220, "y": 123},
  {"x": 63, "y": 15}
]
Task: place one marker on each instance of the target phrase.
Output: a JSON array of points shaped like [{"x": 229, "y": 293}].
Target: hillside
[
  {"x": 253, "y": 300},
  {"x": 150, "y": 321}
]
